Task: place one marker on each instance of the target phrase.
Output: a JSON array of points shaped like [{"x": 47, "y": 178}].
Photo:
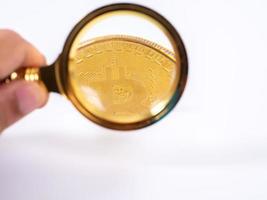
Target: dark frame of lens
[{"x": 63, "y": 76}]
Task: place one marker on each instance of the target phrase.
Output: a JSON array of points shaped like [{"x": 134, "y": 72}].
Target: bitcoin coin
[{"x": 123, "y": 79}]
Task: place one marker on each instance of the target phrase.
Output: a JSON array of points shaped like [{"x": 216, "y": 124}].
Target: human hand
[{"x": 18, "y": 98}]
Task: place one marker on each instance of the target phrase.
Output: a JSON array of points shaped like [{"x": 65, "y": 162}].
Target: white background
[{"x": 213, "y": 145}]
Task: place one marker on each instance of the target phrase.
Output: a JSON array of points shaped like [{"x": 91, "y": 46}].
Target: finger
[
  {"x": 15, "y": 52},
  {"x": 19, "y": 98}
]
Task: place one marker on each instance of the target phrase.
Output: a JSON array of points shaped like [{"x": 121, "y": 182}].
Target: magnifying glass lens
[
  {"x": 124, "y": 69},
  {"x": 123, "y": 79}
]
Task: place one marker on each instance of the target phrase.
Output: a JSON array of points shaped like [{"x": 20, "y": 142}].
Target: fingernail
[{"x": 29, "y": 97}]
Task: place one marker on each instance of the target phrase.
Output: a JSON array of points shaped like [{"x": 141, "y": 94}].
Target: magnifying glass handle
[
  {"x": 43, "y": 74},
  {"x": 28, "y": 74}
]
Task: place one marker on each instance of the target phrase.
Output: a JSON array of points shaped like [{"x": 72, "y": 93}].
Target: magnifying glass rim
[{"x": 62, "y": 73}]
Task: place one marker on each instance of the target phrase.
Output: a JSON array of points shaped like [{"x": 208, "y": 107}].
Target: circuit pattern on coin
[{"x": 123, "y": 79}]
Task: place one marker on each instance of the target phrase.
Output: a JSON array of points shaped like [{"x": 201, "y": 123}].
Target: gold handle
[
  {"x": 45, "y": 75},
  {"x": 28, "y": 74}
]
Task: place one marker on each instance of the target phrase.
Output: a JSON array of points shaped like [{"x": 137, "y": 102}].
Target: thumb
[{"x": 19, "y": 98}]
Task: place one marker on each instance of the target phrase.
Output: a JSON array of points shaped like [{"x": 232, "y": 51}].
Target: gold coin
[{"x": 123, "y": 79}]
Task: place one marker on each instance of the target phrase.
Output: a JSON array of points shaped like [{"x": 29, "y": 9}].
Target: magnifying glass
[{"x": 123, "y": 66}]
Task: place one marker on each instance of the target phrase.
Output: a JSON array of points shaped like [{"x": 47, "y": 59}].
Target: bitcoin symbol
[{"x": 121, "y": 94}]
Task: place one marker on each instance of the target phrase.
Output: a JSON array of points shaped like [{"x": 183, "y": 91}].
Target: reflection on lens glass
[{"x": 123, "y": 79}]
